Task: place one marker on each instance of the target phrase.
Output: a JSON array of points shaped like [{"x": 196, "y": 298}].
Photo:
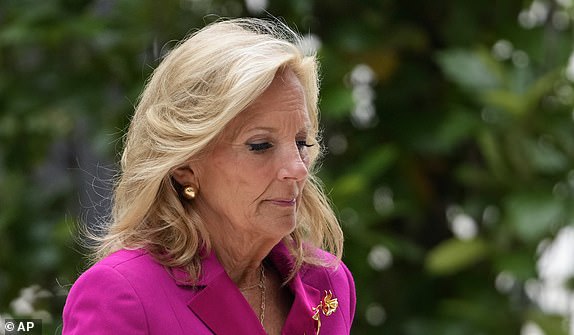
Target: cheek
[
  {"x": 240, "y": 176},
  {"x": 218, "y": 176},
  {"x": 306, "y": 158},
  {"x": 311, "y": 155}
]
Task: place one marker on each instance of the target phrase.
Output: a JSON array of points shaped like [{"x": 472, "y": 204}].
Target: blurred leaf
[
  {"x": 491, "y": 151},
  {"x": 470, "y": 175},
  {"x": 532, "y": 214},
  {"x": 469, "y": 69},
  {"x": 517, "y": 102},
  {"x": 350, "y": 184},
  {"x": 457, "y": 126},
  {"x": 378, "y": 161},
  {"x": 507, "y": 101},
  {"x": 521, "y": 265},
  {"x": 371, "y": 166},
  {"x": 544, "y": 157},
  {"x": 338, "y": 104},
  {"x": 543, "y": 85},
  {"x": 550, "y": 324},
  {"x": 455, "y": 255}
]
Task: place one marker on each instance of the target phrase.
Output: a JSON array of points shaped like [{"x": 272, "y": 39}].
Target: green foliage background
[{"x": 432, "y": 111}]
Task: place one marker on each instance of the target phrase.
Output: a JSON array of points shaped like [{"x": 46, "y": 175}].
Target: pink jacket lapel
[
  {"x": 222, "y": 307},
  {"x": 299, "y": 320},
  {"x": 224, "y": 310},
  {"x": 218, "y": 302}
]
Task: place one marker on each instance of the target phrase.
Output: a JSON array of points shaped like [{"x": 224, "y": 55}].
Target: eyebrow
[
  {"x": 247, "y": 129},
  {"x": 246, "y": 126},
  {"x": 306, "y": 128}
]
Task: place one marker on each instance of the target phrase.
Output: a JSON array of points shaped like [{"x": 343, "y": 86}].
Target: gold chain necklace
[{"x": 262, "y": 288}]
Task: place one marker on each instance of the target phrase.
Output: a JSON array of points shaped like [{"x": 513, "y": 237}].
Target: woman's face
[{"x": 254, "y": 176}]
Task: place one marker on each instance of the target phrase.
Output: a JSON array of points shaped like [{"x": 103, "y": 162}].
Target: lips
[{"x": 284, "y": 202}]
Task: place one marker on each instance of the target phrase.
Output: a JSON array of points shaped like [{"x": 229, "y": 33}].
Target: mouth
[{"x": 284, "y": 202}]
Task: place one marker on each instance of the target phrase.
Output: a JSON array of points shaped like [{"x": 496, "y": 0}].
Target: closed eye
[
  {"x": 303, "y": 144},
  {"x": 260, "y": 147}
]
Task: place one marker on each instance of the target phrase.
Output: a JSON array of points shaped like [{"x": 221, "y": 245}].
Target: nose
[{"x": 292, "y": 166}]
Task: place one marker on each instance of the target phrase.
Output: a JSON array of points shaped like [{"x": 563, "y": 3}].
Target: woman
[{"x": 218, "y": 223}]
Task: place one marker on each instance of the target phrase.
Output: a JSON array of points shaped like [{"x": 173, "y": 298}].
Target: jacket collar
[{"x": 221, "y": 306}]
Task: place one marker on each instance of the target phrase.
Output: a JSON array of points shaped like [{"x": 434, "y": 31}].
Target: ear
[{"x": 184, "y": 175}]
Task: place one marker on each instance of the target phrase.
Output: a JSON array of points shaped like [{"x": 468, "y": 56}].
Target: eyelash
[
  {"x": 301, "y": 144},
  {"x": 262, "y": 147}
]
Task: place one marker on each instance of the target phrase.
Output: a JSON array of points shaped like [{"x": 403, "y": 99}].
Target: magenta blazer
[{"x": 128, "y": 292}]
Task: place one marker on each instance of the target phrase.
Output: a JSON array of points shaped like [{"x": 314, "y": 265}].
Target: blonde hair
[{"x": 198, "y": 88}]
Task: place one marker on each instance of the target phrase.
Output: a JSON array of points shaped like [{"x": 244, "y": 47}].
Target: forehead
[{"x": 281, "y": 105}]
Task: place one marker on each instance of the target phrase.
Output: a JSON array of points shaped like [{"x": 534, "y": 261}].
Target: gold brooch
[{"x": 328, "y": 305}]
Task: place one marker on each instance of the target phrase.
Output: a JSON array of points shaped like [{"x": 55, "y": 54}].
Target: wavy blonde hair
[{"x": 198, "y": 88}]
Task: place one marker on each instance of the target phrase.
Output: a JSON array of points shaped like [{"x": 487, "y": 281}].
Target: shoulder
[
  {"x": 123, "y": 266},
  {"x": 127, "y": 262},
  {"x": 337, "y": 273},
  {"x": 335, "y": 269},
  {"x": 110, "y": 290},
  {"x": 126, "y": 259},
  {"x": 127, "y": 268}
]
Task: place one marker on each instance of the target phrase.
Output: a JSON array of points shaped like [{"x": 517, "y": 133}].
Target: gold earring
[{"x": 189, "y": 192}]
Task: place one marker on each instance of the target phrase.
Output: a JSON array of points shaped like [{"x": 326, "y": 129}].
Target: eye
[
  {"x": 303, "y": 144},
  {"x": 260, "y": 147}
]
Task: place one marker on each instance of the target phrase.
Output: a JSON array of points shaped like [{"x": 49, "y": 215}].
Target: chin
[{"x": 284, "y": 227}]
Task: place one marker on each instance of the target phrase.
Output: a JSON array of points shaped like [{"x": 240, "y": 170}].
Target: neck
[{"x": 241, "y": 255}]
